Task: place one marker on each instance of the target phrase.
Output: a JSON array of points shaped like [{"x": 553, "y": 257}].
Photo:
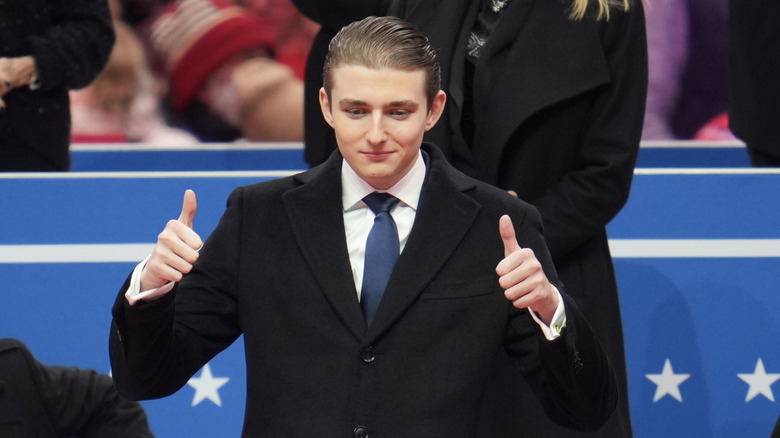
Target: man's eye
[
  {"x": 354, "y": 112},
  {"x": 399, "y": 114}
]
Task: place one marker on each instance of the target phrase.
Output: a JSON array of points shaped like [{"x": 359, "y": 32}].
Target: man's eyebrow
[
  {"x": 403, "y": 103},
  {"x": 351, "y": 102},
  {"x": 393, "y": 104}
]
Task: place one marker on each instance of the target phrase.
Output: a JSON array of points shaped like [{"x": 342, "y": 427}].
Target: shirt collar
[{"x": 408, "y": 189}]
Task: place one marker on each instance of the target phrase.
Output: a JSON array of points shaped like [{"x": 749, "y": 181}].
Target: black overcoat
[
  {"x": 558, "y": 108},
  {"x": 71, "y": 41}
]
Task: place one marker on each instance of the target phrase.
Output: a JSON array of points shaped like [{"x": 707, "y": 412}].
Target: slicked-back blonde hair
[
  {"x": 580, "y": 7},
  {"x": 383, "y": 42}
]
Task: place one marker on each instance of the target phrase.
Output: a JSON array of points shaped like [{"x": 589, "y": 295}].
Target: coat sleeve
[
  {"x": 584, "y": 201},
  {"x": 156, "y": 346},
  {"x": 572, "y": 378},
  {"x": 76, "y": 47}
]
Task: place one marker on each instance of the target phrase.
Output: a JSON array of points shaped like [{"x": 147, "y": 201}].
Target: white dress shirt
[{"x": 358, "y": 218}]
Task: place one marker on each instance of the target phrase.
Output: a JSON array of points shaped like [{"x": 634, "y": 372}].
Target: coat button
[
  {"x": 368, "y": 355},
  {"x": 360, "y": 432}
]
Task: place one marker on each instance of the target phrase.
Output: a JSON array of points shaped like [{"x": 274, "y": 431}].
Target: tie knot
[{"x": 379, "y": 202}]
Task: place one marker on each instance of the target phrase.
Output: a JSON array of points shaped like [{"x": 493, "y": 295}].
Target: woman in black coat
[
  {"x": 48, "y": 47},
  {"x": 547, "y": 102}
]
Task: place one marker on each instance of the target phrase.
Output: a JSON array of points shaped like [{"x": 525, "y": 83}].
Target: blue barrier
[
  {"x": 272, "y": 156},
  {"x": 692, "y": 154},
  {"x": 204, "y": 157},
  {"x": 697, "y": 255}
]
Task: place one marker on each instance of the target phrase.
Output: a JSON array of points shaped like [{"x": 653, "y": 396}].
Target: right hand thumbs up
[{"x": 176, "y": 250}]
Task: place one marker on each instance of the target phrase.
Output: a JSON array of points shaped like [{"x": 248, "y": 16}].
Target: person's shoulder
[
  {"x": 10, "y": 344},
  {"x": 493, "y": 197},
  {"x": 480, "y": 191},
  {"x": 14, "y": 353},
  {"x": 276, "y": 185}
]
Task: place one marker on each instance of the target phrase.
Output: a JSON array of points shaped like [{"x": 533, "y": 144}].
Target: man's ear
[
  {"x": 437, "y": 107},
  {"x": 325, "y": 106}
]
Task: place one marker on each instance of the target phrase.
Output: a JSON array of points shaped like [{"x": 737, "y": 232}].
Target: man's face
[{"x": 379, "y": 117}]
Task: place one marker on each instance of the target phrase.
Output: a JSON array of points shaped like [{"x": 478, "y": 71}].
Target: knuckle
[{"x": 164, "y": 237}]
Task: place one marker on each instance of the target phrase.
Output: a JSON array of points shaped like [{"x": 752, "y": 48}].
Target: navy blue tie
[{"x": 382, "y": 249}]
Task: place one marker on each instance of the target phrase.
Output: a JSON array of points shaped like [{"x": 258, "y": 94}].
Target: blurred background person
[
  {"x": 234, "y": 68},
  {"x": 48, "y": 47},
  {"x": 293, "y": 32},
  {"x": 755, "y": 78},
  {"x": 123, "y": 104},
  {"x": 225, "y": 83},
  {"x": 43, "y": 401},
  {"x": 546, "y": 99},
  {"x": 688, "y": 83},
  {"x": 667, "y": 52},
  {"x": 704, "y": 89}
]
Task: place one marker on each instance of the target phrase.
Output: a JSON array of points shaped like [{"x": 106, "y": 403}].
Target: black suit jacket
[
  {"x": 61, "y": 402},
  {"x": 70, "y": 41},
  {"x": 276, "y": 270},
  {"x": 558, "y": 108}
]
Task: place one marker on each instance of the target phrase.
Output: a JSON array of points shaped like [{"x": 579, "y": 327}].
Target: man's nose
[{"x": 377, "y": 132}]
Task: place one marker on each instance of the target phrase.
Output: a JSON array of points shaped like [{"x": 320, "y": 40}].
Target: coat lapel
[
  {"x": 536, "y": 57},
  {"x": 444, "y": 216},
  {"x": 316, "y": 216}
]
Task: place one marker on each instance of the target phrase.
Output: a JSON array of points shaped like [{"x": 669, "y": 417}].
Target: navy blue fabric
[{"x": 382, "y": 250}]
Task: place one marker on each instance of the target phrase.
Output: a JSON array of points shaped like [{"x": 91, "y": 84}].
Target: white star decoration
[
  {"x": 668, "y": 382},
  {"x": 760, "y": 382},
  {"x": 207, "y": 386}
]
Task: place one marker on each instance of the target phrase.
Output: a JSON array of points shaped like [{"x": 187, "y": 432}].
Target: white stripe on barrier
[
  {"x": 150, "y": 174},
  {"x": 694, "y": 248},
  {"x": 620, "y": 248},
  {"x": 68, "y": 253}
]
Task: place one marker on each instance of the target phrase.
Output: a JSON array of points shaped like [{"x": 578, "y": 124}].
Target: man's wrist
[{"x": 554, "y": 328}]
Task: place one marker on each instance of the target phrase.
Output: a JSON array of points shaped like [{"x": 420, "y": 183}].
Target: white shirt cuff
[
  {"x": 553, "y": 331},
  {"x": 134, "y": 293}
]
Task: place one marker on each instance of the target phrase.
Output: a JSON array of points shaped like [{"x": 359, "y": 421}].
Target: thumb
[
  {"x": 507, "y": 231},
  {"x": 188, "y": 208}
]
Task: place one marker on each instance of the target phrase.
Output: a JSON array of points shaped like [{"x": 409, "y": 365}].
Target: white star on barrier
[
  {"x": 667, "y": 382},
  {"x": 760, "y": 382},
  {"x": 207, "y": 386}
]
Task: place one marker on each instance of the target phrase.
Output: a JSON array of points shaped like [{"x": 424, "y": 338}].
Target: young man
[{"x": 291, "y": 263}]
